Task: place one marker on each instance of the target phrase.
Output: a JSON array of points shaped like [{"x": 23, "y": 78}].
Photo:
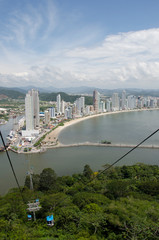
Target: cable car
[
  {"x": 29, "y": 217},
  {"x": 50, "y": 220}
]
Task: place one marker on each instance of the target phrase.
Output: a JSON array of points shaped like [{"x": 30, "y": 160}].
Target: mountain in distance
[
  {"x": 48, "y": 93},
  {"x": 14, "y": 93}
]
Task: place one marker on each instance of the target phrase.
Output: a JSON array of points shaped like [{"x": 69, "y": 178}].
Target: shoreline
[{"x": 52, "y": 137}]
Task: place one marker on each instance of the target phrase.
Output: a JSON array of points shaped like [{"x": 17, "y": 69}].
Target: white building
[
  {"x": 96, "y": 101},
  {"x": 21, "y": 123},
  {"x": 80, "y": 106},
  {"x": 58, "y": 101},
  {"x": 115, "y": 102},
  {"x": 102, "y": 106},
  {"x": 108, "y": 103},
  {"x": 62, "y": 107},
  {"x": 87, "y": 110},
  {"x": 52, "y": 112},
  {"x": 131, "y": 102},
  {"x": 32, "y": 110},
  {"x": 68, "y": 113},
  {"x": 124, "y": 101},
  {"x": 47, "y": 117}
]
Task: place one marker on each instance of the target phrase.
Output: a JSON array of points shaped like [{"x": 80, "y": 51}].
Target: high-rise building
[
  {"x": 58, "y": 100},
  {"x": 102, "y": 106},
  {"x": 87, "y": 110},
  {"x": 68, "y": 113},
  {"x": 80, "y": 105},
  {"x": 32, "y": 110},
  {"x": 108, "y": 106},
  {"x": 62, "y": 107},
  {"x": 96, "y": 101},
  {"x": 115, "y": 102},
  {"x": 47, "y": 117},
  {"x": 52, "y": 112},
  {"x": 131, "y": 102},
  {"x": 123, "y": 100}
]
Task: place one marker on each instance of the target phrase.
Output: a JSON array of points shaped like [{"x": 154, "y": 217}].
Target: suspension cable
[
  {"x": 11, "y": 166},
  {"x": 119, "y": 159},
  {"x": 86, "y": 184}
]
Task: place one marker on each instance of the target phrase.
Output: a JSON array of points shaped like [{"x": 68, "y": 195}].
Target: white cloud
[{"x": 123, "y": 60}]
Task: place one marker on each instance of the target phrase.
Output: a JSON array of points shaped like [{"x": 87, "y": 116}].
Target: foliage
[
  {"x": 11, "y": 93},
  {"x": 47, "y": 179},
  {"x": 65, "y": 97},
  {"x": 121, "y": 203}
]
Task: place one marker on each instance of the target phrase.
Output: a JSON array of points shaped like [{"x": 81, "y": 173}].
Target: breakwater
[{"x": 60, "y": 145}]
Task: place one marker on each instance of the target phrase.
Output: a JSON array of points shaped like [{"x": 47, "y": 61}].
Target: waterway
[{"x": 123, "y": 128}]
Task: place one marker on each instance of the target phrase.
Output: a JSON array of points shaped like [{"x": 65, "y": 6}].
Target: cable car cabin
[
  {"x": 29, "y": 217},
  {"x": 50, "y": 220}
]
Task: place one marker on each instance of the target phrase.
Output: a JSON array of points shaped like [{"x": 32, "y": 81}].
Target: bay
[{"x": 118, "y": 128}]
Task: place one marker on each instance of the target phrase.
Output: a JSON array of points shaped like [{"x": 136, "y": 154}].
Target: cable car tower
[{"x": 34, "y": 205}]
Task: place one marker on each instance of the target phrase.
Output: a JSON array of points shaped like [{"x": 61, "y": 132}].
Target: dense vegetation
[
  {"x": 11, "y": 93},
  {"x": 119, "y": 204},
  {"x": 65, "y": 97},
  {"x": 44, "y": 96}
]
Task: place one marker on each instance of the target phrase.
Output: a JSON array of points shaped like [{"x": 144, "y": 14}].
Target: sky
[{"x": 70, "y": 43}]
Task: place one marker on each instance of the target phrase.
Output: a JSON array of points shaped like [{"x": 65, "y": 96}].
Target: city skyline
[{"x": 105, "y": 44}]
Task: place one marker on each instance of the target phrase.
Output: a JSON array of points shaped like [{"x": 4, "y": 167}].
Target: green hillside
[
  {"x": 65, "y": 97},
  {"x": 44, "y": 96},
  {"x": 12, "y": 93},
  {"x": 119, "y": 204}
]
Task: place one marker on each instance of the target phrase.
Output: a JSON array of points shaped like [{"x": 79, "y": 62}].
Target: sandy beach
[{"x": 53, "y": 136}]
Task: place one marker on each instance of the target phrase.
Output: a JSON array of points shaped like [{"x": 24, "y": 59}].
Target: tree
[
  {"x": 47, "y": 179},
  {"x": 87, "y": 172}
]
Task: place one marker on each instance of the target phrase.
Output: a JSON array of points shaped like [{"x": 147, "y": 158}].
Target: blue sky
[{"x": 68, "y": 43}]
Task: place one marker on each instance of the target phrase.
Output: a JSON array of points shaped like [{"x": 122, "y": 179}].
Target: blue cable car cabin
[
  {"x": 29, "y": 217},
  {"x": 50, "y": 220}
]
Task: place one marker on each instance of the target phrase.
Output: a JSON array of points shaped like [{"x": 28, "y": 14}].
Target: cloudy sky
[{"x": 68, "y": 43}]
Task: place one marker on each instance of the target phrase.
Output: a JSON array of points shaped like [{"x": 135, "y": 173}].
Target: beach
[{"x": 52, "y": 137}]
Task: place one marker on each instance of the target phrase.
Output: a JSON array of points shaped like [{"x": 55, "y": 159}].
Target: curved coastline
[{"x": 52, "y": 137}]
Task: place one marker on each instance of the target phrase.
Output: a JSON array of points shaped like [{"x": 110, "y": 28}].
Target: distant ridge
[{"x": 83, "y": 90}]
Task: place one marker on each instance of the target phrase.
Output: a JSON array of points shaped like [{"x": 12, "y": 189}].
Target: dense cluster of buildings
[
  {"x": 65, "y": 110},
  {"x": 38, "y": 123},
  {"x": 123, "y": 102}
]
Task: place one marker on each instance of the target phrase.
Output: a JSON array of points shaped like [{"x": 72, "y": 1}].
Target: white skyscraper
[
  {"x": 63, "y": 106},
  {"x": 96, "y": 101},
  {"x": 52, "y": 112},
  {"x": 115, "y": 102},
  {"x": 32, "y": 110},
  {"x": 80, "y": 105},
  {"x": 108, "y": 105},
  {"x": 68, "y": 113},
  {"x": 58, "y": 100},
  {"x": 47, "y": 117},
  {"x": 102, "y": 106},
  {"x": 131, "y": 102},
  {"x": 123, "y": 101}
]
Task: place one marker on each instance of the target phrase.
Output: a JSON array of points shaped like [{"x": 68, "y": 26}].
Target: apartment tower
[{"x": 32, "y": 110}]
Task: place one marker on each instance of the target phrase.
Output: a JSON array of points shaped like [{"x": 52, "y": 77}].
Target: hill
[
  {"x": 121, "y": 203},
  {"x": 14, "y": 94},
  {"x": 65, "y": 97}
]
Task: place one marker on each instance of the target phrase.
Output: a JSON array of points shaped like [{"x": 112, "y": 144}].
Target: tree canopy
[{"x": 121, "y": 203}]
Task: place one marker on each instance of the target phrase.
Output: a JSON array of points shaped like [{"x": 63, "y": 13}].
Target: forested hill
[
  {"x": 14, "y": 94},
  {"x": 65, "y": 97},
  {"x": 17, "y": 94},
  {"x": 121, "y": 203}
]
